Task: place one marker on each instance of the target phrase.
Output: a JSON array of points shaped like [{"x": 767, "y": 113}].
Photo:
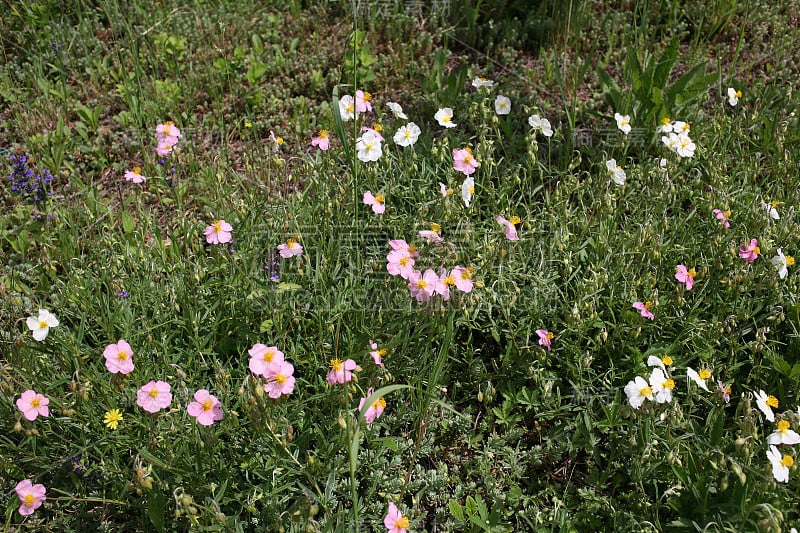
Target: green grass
[{"x": 484, "y": 429}]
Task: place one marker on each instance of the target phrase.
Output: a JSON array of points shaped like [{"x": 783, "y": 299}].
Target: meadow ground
[{"x": 555, "y": 290}]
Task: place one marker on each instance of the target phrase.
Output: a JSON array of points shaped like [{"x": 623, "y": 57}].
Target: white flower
[
  {"x": 502, "y": 105},
  {"x": 638, "y": 391},
  {"x": 662, "y": 386},
  {"x": 685, "y": 146},
  {"x": 276, "y": 141},
  {"x": 407, "y": 135},
  {"x": 782, "y": 262},
  {"x": 467, "y": 190},
  {"x": 397, "y": 109},
  {"x": 766, "y": 403},
  {"x": 369, "y": 147},
  {"x": 347, "y": 107},
  {"x": 770, "y": 208},
  {"x": 482, "y": 82},
  {"x": 40, "y": 326},
  {"x": 662, "y": 163},
  {"x": 542, "y": 124},
  {"x": 780, "y": 464},
  {"x": 665, "y": 127},
  {"x": 617, "y": 174},
  {"x": 445, "y": 117},
  {"x": 733, "y": 96},
  {"x": 681, "y": 127},
  {"x": 623, "y": 123},
  {"x": 661, "y": 363},
  {"x": 784, "y": 435},
  {"x": 700, "y": 378},
  {"x": 670, "y": 141}
]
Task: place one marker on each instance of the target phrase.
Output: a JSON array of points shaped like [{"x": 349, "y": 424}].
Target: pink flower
[
  {"x": 394, "y": 521},
  {"x": 374, "y": 131},
  {"x": 362, "y": 101},
  {"x": 722, "y": 216},
  {"x": 135, "y": 175},
  {"x": 341, "y": 371},
  {"x": 444, "y": 191},
  {"x": 432, "y": 235},
  {"x": 32, "y": 404},
  {"x": 279, "y": 380},
  {"x": 400, "y": 263},
  {"x": 443, "y": 284},
  {"x": 749, "y": 252},
  {"x": 377, "y": 202},
  {"x": 219, "y": 232},
  {"x": 685, "y": 276},
  {"x": 164, "y": 149},
  {"x": 168, "y": 133},
  {"x": 322, "y": 141},
  {"x": 377, "y": 353},
  {"x": 511, "y": 230},
  {"x": 290, "y": 248},
  {"x": 375, "y": 410},
  {"x": 30, "y": 496},
  {"x": 545, "y": 338},
  {"x": 400, "y": 244},
  {"x": 154, "y": 396},
  {"x": 422, "y": 286},
  {"x": 263, "y": 358},
  {"x": 119, "y": 358},
  {"x": 644, "y": 309},
  {"x": 206, "y": 408},
  {"x": 464, "y": 162},
  {"x": 463, "y": 278}
]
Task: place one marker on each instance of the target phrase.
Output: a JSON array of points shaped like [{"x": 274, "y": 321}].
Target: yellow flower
[{"x": 112, "y": 418}]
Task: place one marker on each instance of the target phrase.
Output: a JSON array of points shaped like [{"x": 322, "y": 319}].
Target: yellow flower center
[
  {"x": 436, "y": 228},
  {"x": 450, "y": 280},
  {"x": 368, "y": 146},
  {"x": 665, "y": 121},
  {"x": 727, "y": 213},
  {"x": 382, "y": 352},
  {"x": 515, "y": 220},
  {"x": 291, "y": 243},
  {"x": 625, "y": 121},
  {"x": 280, "y": 379},
  {"x": 422, "y": 284},
  {"x": 411, "y": 249},
  {"x": 35, "y": 402},
  {"x": 379, "y": 198},
  {"x": 738, "y": 94},
  {"x": 404, "y": 261},
  {"x": 669, "y": 384},
  {"x": 217, "y": 226},
  {"x": 137, "y": 170},
  {"x": 29, "y": 499},
  {"x": 787, "y": 460},
  {"x": 367, "y": 96},
  {"x": 756, "y": 250},
  {"x": 378, "y": 127},
  {"x": 472, "y": 189},
  {"x": 645, "y": 391},
  {"x": 323, "y": 134},
  {"x": 401, "y": 523},
  {"x": 467, "y": 159},
  {"x": 647, "y": 305},
  {"x": 666, "y": 360},
  {"x": 774, "y": 204},
  {"x": 268, "y": 355},
  {"x": 208, "y": 404},
  {"x": 549, "y": 335},
  {"x": 407, "y": 134},
  {"x": 349, "y": 108},
  {"x": 380, "y": 403},
  {"x": 122, "y": 355},
  {"x": 42, "y": 324},
  {"x": 691, "y": 273},
  {"x": 153, "y": 393},
  {"x": 704, "y": 374},
  {"x": 783, "y": 426},
  {"x": 279, "y": 140},
  {"x": 446, "y": 119},
  {"x": 772, "y": 401},
  {"x": 686, "y": 127},
  {"x": 336, "y": 364},
  {"x": 467, "y": 274},
  {"x": 789, "y": 260}
]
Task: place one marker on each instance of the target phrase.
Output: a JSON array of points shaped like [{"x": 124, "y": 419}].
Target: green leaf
[
  {"x": 285, "y": 286},
  {"x": 155, "y": 509},
  {"x": 471, "y": 506},
  {"x": 456, "y": 510},
  {"x": 665, "y": 63},
  {"x": 128, "y": 224}
]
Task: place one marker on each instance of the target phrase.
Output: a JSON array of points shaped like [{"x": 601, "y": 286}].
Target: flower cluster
[
  {"x": 270, "y": 363},
  {"x": 425, "y": 285},
  {"x": 26, "y": 182},
  {"x": 167, "y": 136},
  {"x": 782, "y": 436},
  {"x": 677, "y": 137}
]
